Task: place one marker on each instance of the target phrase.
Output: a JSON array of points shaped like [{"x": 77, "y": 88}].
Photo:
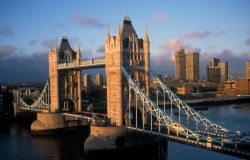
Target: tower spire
[
  {"x": 118, "y": 35},
  {"x": 107, "y": 35},
  {"x": 146, "y": 39},
  {"x": 126, "y": 17}
]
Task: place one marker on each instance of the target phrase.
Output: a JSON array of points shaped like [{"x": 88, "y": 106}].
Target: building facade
[
  {"x": 217, "y": 72},
  {"x": 180, "y": 64},
  {"x": 98, "y": 82},
  {"x": 87, "y": 80},
  {"x": 237, "y": 87},
  {"x": 223, "y": 71},
  {"x": 248, "y": 69},
  {"x": 187, "y": 66},
  {"x": 192, "y": 66},
  {"x": 65, "y": 86}
]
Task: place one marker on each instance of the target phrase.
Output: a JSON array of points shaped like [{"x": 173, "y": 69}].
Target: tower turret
[
  {"x": 78, "y": 55},
  {"x": 146, "y": 48}
]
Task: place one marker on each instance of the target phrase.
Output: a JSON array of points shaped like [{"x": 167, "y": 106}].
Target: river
[{"x": 16, "y": 142}]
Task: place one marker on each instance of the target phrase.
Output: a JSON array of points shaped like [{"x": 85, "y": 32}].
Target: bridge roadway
[
  {"x": 172, "y": 136},
  {"x": 241, "y": 150}
]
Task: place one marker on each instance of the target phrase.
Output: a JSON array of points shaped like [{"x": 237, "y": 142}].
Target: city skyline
[{"x": 214, "y": 29}]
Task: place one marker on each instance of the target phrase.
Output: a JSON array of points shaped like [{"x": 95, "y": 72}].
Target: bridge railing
[
  {"x": 42, "y": 103},
  {"x": 73, "y": 117},
  {"x": 161, "y": 117},
  {"x": 83, "y": 63},
  {"x": 186, "y": 109}
]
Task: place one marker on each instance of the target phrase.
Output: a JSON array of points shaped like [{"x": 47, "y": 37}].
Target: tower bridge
[{"x": 129, "y": 105}]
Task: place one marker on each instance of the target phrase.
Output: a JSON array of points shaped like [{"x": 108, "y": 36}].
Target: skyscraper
[
  {"x": 223, "y": 71},
  {"x": 192, "y": 66},
  {"x": 248, "y": 69},
  {"x": 187, "y": 65},
  {"x": 180, "y": 64},
  {"x": 98, "y": 80},
  {"x": 214, "y": 62},
  {"x": 87, "y": 81},
  {"x": 217, "y": 72}
]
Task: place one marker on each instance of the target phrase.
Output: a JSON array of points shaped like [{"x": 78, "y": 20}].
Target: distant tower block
[
  {"x": 134, "y": 54},
  {"x": 98, "y": 82},
  {"x": 65, "y": 86},
  {"x": 180, "y": 64},
  {"x": 192, "y": 66}
]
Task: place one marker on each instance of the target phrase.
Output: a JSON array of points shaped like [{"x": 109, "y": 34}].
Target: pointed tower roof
[
  {"x": 118, "y": 35},
  {"x": 107, "y": 35},
  {"x": 127, "y": 28},
  {"x": 78, "y": 49},
  {"x": 64, "y": 44},
  {"x": 146, "y": 39}
]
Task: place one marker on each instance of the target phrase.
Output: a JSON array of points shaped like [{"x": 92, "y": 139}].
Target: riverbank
[
  {"x": 212, "y": 101},
  {"x": 217, "y": 100}
]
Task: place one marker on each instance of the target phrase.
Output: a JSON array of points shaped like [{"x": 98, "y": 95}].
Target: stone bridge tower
[
  {"x": 65, "y": 85},
  {"x": 134, "y": 54}
]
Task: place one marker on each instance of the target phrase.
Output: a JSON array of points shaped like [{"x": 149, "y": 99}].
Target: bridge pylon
[
  {"x": 132, "y": 52},
  {"x": 65, "y": 85}
]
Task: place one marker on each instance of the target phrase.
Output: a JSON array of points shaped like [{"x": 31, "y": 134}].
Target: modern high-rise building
[
  {"x": 248, "y": 69},
  {"x": 98, "y": 80},
  {"x": 192, "y": 66},
  {"x": 217, "y": 72},
  {"x": 180, "y": 64},
  {"x": 87, "y": 81},
  {"x": 213, "y": 74},
  {"x": 223, "y": 71},
  {"x": 214, "y": 62},
  {"x": 187, "y": 65}
]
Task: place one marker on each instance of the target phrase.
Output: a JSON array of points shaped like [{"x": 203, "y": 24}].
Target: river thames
[{"x": 16, "y": 142}]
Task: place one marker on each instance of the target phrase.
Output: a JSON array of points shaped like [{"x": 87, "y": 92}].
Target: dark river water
[{"x": 16, "y": 142}]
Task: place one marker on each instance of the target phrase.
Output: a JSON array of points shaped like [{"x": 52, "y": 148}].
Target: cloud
[
  {"x": 164, "y": 62},
  {"x": 220, "y": 32},
  {"x": 203, "y": 34},
  {"x": 197, "y": 34},
  {"x": 59, "y": 26},
  {"x": 101, "y": 49},
  {"x": 248, "y": 41},
  {"x": 6, "y": 50},
  {"x": 236, "y": 61},
  {"x": 32, "y": 42},
  {"x": 6, "y": 30},
  {"x": 50, "y": 42},
  {"x": 86, "y": 54},
  {"x": 159, "y": 16},
  {"x": 74, "y": 41},
  {"x": 21, "y": 66},
  {"x": 174, "y": 44},
  {"x": 86, "y": 21},
  {"x": 211, "y": 48}
]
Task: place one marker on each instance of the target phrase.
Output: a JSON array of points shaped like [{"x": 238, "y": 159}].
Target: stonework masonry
[
  {"x": 133, "y": 53},
  {"x": 65, "y": 86}
]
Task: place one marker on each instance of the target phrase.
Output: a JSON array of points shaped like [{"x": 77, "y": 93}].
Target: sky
[{"x": 214, "y": 28}]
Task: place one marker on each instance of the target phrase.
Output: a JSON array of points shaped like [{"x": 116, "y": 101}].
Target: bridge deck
[{"x": 222, "y": 148}]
